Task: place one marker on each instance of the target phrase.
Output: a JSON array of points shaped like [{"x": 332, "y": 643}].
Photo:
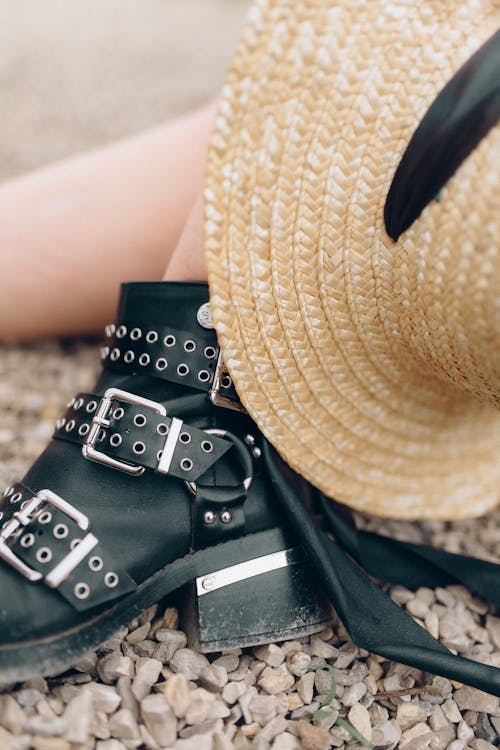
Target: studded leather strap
[
  {"x": 67, "y": 558},
  {"x": 139, "y": 436},
  {"x": 189, "y": 358}
]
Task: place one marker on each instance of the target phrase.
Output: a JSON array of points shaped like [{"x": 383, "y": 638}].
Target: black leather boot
[{"x": 152, "y": 481}]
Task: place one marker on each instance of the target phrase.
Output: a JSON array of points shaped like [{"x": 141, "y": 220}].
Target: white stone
[
  {"x": 360, "y": 719},
  {"x": 305, "y": 686},
  {"x": 298, "y": 662},
  {"x": 189, "y": 663},
  {"x": 105, "y": 697},
  {"x": 113, "y": 666},
  {"x": 233, "y": 691},
  {"x": 353, "y": 694},
  {"x": 275, "y": 680},
  {"x": 159, "y": 719},
  {"x": 263, "y": 708},
  {"x": 471, "y": 699},
  {"x": 176, "y": 691},
  {"x": 123, "y": 725},
  {"x": 12, "y": 716},
  {"x": 409, "y": 714},
  {"x": 270, "y": 653},
  {"x": 79, "y": 717},
  {"x": 386, "y": 734},
  {"x": 417, "y": 738}
]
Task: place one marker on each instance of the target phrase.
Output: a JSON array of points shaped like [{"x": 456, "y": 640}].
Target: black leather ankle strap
[
  {"x": 47, "y": 539},
  {"x": 190, "y": 358},
  {"x": 130, "y": 433}
]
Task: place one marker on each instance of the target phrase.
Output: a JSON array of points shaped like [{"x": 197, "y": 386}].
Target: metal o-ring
[
  {"x": 203, "y": 376},
  {"x": 207, "y": 446},
  {"x": 129, "y": 356},
  {"x": 182, "y": 369},
  {"x": 45, "y": 517},
  {"x": 169, "y": 340},
  {"x": 151, "y": 337},
  {"x": 15, "y": 497},
  {"x": 91, "y": 406},
  {"x": 242, "y": 453},
  {"x": 140, "y": 420},
  {"x": 189, "y": 345},
  {"x": 162, "y": 428},
  {"x": 115, "y": 440},
  {"x": 144, "y": 359},
  {"x": 139, "y": 447},
  {"x": 121, "y": 332},
  {"x": 185, "y": 438},
  {"x": 209, "y": 352},
  {"x": 135, "y": 334},
  {"x": 83, "y": 429}
]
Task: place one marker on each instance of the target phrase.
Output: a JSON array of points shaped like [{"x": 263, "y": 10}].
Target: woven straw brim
[{"x": 345, "y": 347}]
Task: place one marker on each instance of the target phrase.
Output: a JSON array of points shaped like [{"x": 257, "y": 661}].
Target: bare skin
[{"x": 70, "y": 233}]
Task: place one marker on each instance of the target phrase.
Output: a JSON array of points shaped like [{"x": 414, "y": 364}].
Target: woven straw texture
[{"x": 373, "y": 367}]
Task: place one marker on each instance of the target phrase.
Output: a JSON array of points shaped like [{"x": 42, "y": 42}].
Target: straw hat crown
[{"x": 372, "y": 365}]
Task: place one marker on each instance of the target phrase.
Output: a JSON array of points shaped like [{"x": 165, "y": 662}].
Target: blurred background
[
  {"x": 75, "y": 74},
  {"x": 79, "y": 73}
]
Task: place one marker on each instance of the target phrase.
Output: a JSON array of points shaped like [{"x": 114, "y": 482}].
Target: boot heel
[{"x": 271, "y": 597}]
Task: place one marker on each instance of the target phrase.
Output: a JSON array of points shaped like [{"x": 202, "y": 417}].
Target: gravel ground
[{"x": 145, "y": 688}]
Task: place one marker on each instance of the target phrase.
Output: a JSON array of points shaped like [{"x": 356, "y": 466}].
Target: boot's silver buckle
[
  {"x": 214, "y": 394},
  {"x": 101, "y": 420},
  {"x": 23, "y": 517}
]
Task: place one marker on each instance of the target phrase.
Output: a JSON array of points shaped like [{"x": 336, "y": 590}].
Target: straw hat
[{"x": 371, "y": 365}]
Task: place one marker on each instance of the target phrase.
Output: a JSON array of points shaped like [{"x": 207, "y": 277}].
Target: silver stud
[
  {"x": 91, "y": 407},
  {"x": 189, "y": 345},
  {"x": 208, "y": 583},
  {"x": 226, "y": 516},
  {"x": 209, "y": 352},
  {"x": 15, "y": 497},
  {"x": 209, "y": 517},
  {"x": 140, "y": 420},
  {"x": 207, "y": 446},
  {"x": 118, "y": 413},
  {"x": 162, "y": 429},
  {"x": 115, "y": 354},
  {"x": 70, "y": 425},
  {"x": 121, "y": 332},
  {"x": 204, "y": 316},
  {"x": 44, "y": 555},
  {"x": 169, "y": 340},
  {"x": 144, "y": 359},
  {"x": 129, "y": 356},
  {"x": 161, "y": 364},
  {"x": 109, "y": 330},
  {"x": 83, "y": 429},
  {"x": 95, "y": 563},
  {"x": 185, "y": 438},
  {"x": 45, "y": 517},
  {"x": 60, "y": 423},
  {"x": 186, "y": 464},
  {"x": 115, "y": 440},
  {"x": 135, "y": 334},
  {"x": 60, "y": 531},
  {"x": 104, "y": 352},
  {"x": 78, "y": 404},
  {"x": 139, "y": 447},
  {"x": 151, "y": 337},
  {"x": 182, "y": 369},
  {"x": 81, "y": 590},
  {"x": 27, "y": 540},
  {"x": 256, "y": 452},
  {"x": 249, "y": 439},
  {"x": 111, "y": 579}
]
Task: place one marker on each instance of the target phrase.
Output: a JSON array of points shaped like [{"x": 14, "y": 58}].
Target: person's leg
[
  {"x": 187, "y": 262},
  {"x": 70, "y": 233}
]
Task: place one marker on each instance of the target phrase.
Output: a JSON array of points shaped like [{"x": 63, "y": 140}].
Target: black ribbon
[{"x": 371, "y": 618}]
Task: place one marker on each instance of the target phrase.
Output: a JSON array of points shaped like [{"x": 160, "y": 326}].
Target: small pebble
[
  {"x": 123, "y": 725},
  {"x": 311, "y": 737},
  {"x": 275, "y": 680},
  {"x": 360, "y": 719},
  {"x": 159, "y": 719},
  {"x": 189, "y": 663}
]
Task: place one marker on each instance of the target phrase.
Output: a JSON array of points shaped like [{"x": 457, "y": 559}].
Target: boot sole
[{"x": 55, "y": 654}]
